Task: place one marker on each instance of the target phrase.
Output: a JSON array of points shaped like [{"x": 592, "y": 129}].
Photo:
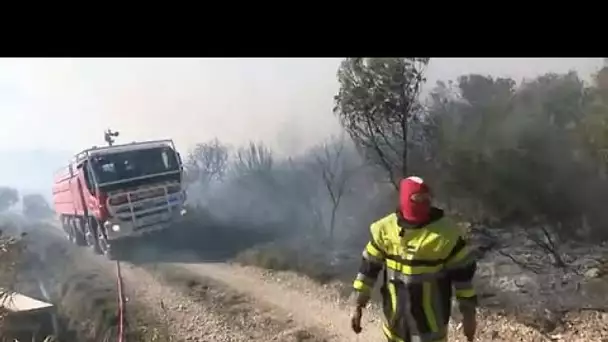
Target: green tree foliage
[
  {"x": 377, "y": 100},
  {"x": 8, "y": 197},
  {"x": 532, "y": 153},
  {"x": 593, "y": 130},
  {"x": 527, "y": 153}
]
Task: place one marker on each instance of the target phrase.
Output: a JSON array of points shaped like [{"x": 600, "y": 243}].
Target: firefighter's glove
[{"x": 355, "y": 320}]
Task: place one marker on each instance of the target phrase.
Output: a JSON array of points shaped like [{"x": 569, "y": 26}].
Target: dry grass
[
  {"x": 11, "y": 251},
  {"x": 85, "y": 299},
  {"x": 285, "y": 258},
  {"x": 88, "y": 301}
]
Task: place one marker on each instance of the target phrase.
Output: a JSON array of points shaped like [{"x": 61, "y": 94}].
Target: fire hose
[{"x": 121, "y": 303}]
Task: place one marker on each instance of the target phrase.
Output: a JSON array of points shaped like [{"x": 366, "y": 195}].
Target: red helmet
[{"x": 414, "y": 200}]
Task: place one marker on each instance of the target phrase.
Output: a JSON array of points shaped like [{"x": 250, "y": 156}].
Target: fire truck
[{"x": 108, "y": 195}]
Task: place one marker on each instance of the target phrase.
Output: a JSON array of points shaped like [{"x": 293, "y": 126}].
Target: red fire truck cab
[{"x": 108, "y": 194}]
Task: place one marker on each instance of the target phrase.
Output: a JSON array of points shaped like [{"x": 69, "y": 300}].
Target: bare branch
[
  {"x": 207, "y": 162},
  {"x": 335, "y": 170},
  {"x": 253, "y": 159}
]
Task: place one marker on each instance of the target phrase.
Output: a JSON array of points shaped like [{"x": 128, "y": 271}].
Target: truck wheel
[
  {"x": 68, "y": 229},
  {"x": 104, "y": 246},
  {"x": 78, "y": 238},
  {"x": 91, "y": 236},
  {"x": 70, "y": 234},
  {"x": 110, "y": 249},
  {"x": 76, "y": 235}
]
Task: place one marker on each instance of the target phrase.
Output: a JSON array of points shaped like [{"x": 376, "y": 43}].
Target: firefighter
[{"x": 425, "y": 261}]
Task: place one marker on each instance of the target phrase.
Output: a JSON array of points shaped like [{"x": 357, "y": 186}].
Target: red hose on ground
[{"x": 121, "y": 304}]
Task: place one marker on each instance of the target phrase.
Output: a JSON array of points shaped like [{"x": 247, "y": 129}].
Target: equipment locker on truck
[{"x": 108, "y": 194}]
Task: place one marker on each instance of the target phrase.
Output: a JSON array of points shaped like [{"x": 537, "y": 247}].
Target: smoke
[
  {"x": 510, "y": 157},
  {"x": 286, "y": 200},
  {"x": 286, "y": 104}
]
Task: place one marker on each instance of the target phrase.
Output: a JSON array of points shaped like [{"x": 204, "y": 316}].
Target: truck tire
[
  {"x": 105, "y": 247},
  {"x": 73, "y": 231},
  {"x": 78, "y": 237},
  {"x": 112, "y": 250},
  {"x": 91, "y": 233},
  {"x": 65, "y": 226},
  {"x": 67, "y": 223}
]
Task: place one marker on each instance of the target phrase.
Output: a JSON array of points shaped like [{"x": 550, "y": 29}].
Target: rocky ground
[
  {"x": 203, "y": 301},
  {"x": 328, "y": 307},
  {"x": 165, "y": 302}
]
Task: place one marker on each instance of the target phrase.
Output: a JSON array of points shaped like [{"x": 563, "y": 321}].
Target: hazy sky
[{"x": 65, "y": 104}]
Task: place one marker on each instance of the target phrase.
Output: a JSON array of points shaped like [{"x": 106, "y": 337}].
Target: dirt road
[
  {"x": 294, "y": 308},
  {"x": 294, "y": 297},
  {"x": 218, "y": 302},
  {"x": 324, "y": 310}
]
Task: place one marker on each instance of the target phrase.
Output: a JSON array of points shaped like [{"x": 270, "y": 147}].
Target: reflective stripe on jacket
[{"x": 424, "y": 266}]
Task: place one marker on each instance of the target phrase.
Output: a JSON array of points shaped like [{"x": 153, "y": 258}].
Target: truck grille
[{"x": 146, "y": 206}]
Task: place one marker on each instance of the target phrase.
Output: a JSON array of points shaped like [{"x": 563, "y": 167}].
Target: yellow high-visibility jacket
[{"x": 424, "y": 266}]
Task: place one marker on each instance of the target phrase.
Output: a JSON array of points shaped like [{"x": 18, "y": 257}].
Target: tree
[
  {"x": 593, "y": 128},
  {"x": 8, "y": 198},
  {"x": 333, "y": 164},
  {"x": 377, "y": 100},
  {"x": 466, "y": 128},
  {"x": 255, "y": 159},
  {"x": 207, "y": 162},
  {"x": 35, "y": 206},
  {"x": 514, "y": 151}
]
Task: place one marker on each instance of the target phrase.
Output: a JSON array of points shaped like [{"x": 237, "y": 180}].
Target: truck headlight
[{"x": 108, "y": 225}]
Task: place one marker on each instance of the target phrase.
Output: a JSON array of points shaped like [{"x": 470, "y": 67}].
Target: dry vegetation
[
  {"x": 523, "y": 163},
  {"x": 85, "y": 298},
  {"x": 11, "y": 250}
]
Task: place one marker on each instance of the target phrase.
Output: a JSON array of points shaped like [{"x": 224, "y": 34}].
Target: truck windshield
[{"x": 134, "y": 164}]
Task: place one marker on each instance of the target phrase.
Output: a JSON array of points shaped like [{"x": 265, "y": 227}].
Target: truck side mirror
[{"x": 179, "y": 160}]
